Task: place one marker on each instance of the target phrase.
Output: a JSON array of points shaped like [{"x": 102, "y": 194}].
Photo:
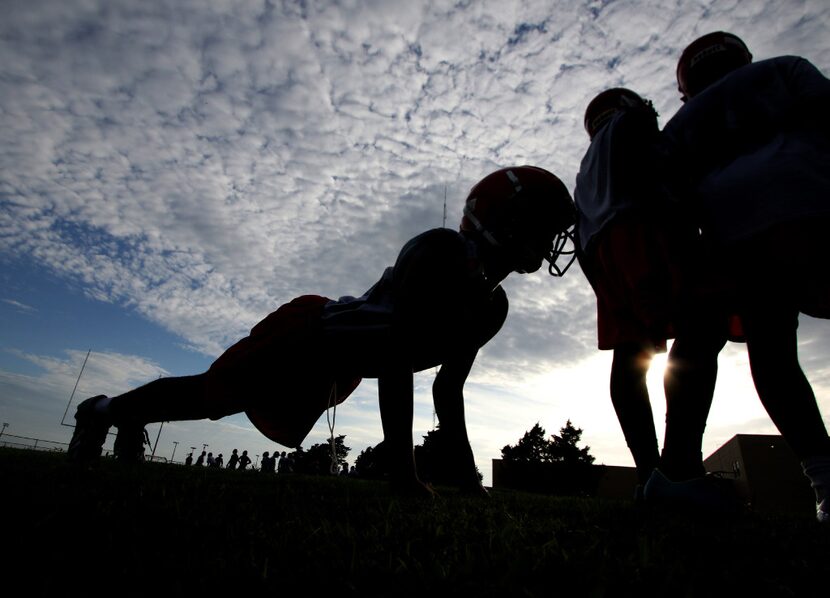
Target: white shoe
[
  {"x": 817, "y": 470},
  {"x": 823, "y": 511}
]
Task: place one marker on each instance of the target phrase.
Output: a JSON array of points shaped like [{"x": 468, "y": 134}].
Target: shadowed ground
[{"x": 167, "y": 530}]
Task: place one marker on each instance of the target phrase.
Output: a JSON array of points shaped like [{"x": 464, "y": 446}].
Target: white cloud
[{"x": 21, "y": 307}]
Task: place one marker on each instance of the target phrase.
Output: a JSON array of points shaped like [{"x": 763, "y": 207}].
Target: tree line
[{"x": 436, "y": 460}]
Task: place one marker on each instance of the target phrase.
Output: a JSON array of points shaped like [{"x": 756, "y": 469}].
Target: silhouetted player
[
  {"x": 268, "y": 464},
  {"x": 244, "y": 461},
  {"x": 232, "y": 462},
  {"x": 437, "y": 305},
  {"x": 637, "y": 251},
  {"x": 752, "y": 144}
]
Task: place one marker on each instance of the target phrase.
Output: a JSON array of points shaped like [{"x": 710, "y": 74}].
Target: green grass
[{"x": 162, "y": 530}]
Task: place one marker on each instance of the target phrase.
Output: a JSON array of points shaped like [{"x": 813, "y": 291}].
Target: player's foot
[
  {"x": 709, "y": 493},
  {"x": 91, "y": 428},
  {"x": 817, "y": 470},
  {"x": 129, "y": 444},
  {"x": 823, "y": 511}
]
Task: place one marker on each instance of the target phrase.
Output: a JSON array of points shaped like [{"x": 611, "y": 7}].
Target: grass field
[{"x": 168, "y": 530}]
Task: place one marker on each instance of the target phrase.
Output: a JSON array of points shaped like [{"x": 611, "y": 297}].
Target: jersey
[
  {"x": 432, "y": 305},
  {"x": 754, "y": 149},
  {"x": 433, "y": 302},
  {"x": 618, "y": 175}
]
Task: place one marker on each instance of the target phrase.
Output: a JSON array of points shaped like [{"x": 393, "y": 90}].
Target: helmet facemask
[
  {"x": 533, "y": 245},
  {"x": 564, "y": 244}
]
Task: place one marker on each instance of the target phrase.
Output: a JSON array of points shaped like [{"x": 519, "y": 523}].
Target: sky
[{"x": 171, "y": 172}]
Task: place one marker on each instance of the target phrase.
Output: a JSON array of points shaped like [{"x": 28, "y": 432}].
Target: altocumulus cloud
[{"x": 202, "y": 163}]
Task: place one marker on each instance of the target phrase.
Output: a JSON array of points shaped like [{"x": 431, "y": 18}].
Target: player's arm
[
  {"x": 425, "y": 272},
  {"x": 448, "y": 395},
  {"x": 448, "y": 391},
  {"x": 395, "y": 396}
]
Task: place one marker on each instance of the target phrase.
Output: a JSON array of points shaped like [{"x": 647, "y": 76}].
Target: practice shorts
[
  {"x": 277, "y": 374},
  {"x": 636, "y": 272}
]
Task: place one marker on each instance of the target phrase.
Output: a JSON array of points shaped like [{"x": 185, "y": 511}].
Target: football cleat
[{"x": 91, "y": 429}]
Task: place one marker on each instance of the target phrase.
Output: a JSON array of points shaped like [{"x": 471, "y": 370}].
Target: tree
[
  {"x": 531, "y": 447},
  {"x": 318, "y": 459},
  {"x": 372, "y": 463},
  {"x": 534, "y": 448},
  {"x": 564, "y": 449},
  {"x": 556, "y": 466}
]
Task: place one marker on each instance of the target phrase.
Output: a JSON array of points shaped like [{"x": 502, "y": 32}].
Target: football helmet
[
  {"x": 604, "y": 105},
  {"x": 707, "y": 59},
  {"x": 525, "y": 212}
]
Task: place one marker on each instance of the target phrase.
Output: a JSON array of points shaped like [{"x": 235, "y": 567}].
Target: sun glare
[
  {"x": 654, "y": 379},
  {"x": 657, "y": 397}
]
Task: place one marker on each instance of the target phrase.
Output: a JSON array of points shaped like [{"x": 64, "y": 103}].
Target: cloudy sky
[{"x": 171, "y": 172}]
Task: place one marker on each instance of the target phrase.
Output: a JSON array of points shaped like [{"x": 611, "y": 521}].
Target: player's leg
[
  {"x": 395, "y": 394},
  {"x": 629, "y": 395},
  {"x": 165, "y": 399},
  {"x": 689, "y": 383},
  {"x": 788, "y": 396}
]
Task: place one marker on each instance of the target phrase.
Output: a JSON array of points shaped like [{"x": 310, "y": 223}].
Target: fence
[{"x": 39, "y": 444}]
